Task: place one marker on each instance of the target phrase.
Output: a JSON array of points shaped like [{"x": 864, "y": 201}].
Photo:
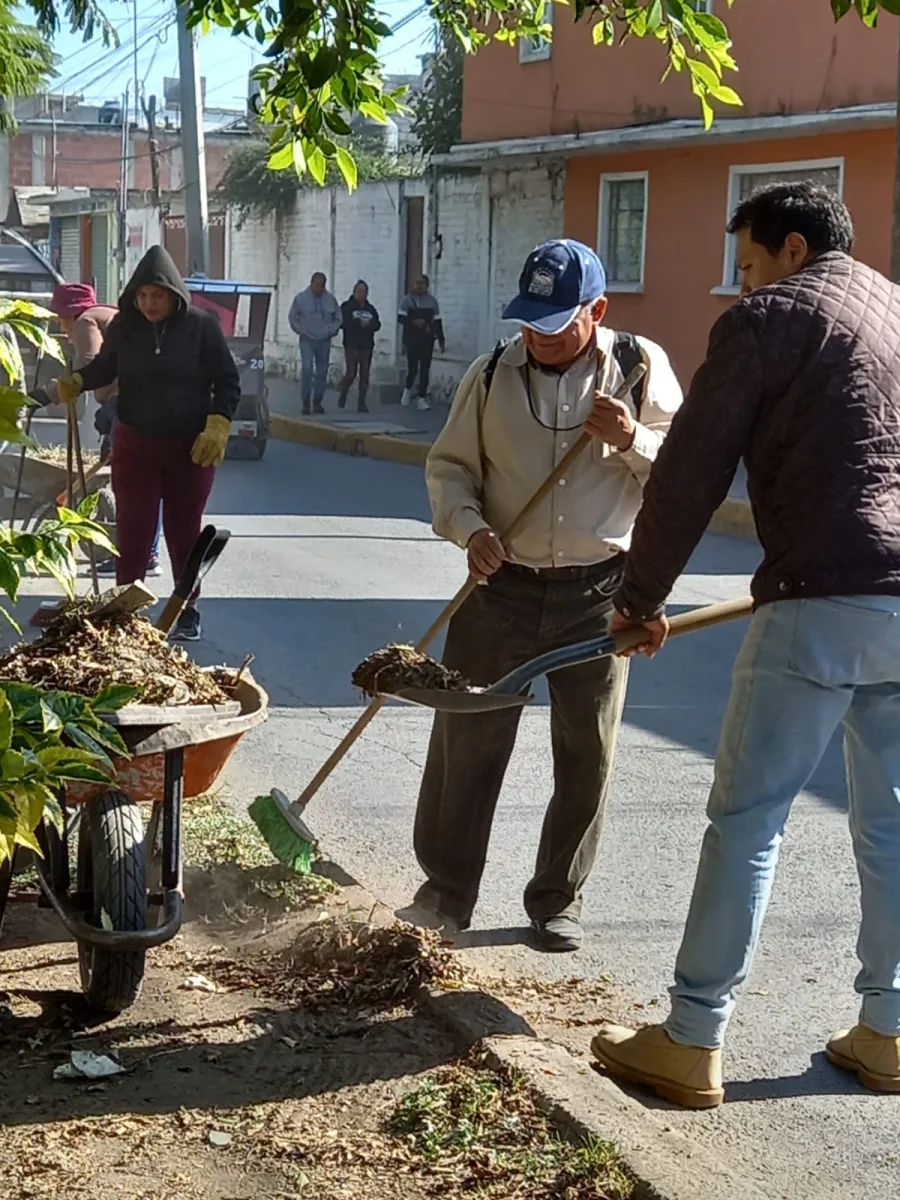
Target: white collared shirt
[{"x": 495, "y": 452}]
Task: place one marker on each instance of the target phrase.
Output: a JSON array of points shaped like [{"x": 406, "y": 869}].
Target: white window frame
[
  {"x": 728, "y": 287},
  {"x": 613, "y": 285},
  {"x": 701, "y": 6},
  {"x": 533, "y": 50}
]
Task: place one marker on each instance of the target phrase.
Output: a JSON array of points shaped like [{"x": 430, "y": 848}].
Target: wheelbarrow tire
[{"x": 112, "y": 866}]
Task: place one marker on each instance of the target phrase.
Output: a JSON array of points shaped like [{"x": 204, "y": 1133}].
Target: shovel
[
  {"x": 510, "y": 691},
  {"x": 207, "y": 548}
]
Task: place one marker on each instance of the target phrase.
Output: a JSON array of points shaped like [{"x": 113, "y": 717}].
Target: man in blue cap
[{"x": 515, "y": 415}]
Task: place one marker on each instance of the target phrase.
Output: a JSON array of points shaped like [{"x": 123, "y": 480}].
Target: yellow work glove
[
  {"x": 69, "y": 388},
  {"x": 209, "y": 448}
]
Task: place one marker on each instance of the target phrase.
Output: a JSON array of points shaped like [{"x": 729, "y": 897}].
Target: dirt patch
[
  {"x": 397, "y": 667},
  {"x": 275, "y": 1052}
]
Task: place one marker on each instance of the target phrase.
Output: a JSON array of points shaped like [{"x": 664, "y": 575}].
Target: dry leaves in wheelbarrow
[
  {"x": 397, "y": 667},
  {"x": 77, "y": 654}
]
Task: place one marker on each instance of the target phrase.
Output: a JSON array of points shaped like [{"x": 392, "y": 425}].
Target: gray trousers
[{"x": 517, "y": 615}]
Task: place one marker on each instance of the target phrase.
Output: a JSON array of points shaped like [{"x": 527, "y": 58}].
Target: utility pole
[
  {"x": 895, "y": 231},
  {"x": 192, "y": 150},
  {"x": 137, "y": 94}
]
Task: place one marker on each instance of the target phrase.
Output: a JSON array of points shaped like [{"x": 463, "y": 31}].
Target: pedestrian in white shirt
[{"x": 514, "y": 416}]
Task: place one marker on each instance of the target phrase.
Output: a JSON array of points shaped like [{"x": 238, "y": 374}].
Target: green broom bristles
[{"x": 290, "y": 847}]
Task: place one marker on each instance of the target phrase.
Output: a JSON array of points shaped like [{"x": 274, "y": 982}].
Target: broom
[{"x": 278, "y": 820}]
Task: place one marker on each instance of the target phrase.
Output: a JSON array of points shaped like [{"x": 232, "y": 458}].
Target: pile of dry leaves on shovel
[
  {"x": 397, "y": 667},
  {"x": 77, "y": 654}
]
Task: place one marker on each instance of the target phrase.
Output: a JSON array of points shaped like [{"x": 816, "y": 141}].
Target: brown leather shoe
[
  {"x": 687, "y": 1075},
  {"x": 873, "y": 1057}
]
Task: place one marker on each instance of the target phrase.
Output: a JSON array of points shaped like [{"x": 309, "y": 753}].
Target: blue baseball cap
[{"x": 558, "y": 279}]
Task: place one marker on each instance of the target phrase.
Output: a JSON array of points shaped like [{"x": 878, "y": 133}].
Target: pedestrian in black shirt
[
  {"x": 420, "y": 319},
  {"x": 360, "y": 324}
]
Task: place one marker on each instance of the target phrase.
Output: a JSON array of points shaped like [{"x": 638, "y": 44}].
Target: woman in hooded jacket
[{"x": 178, "y": 388}]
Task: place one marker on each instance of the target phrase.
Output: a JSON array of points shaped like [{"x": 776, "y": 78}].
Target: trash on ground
[
  {"x": 199, "y": 983},
  {"x": 396, "y": 667},
  {"x": 84, "y": 1064},
  {"x": 219, "y": 1138},
  {"x": 76, "y": 653}
]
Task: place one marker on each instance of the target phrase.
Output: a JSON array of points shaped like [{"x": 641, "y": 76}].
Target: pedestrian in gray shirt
[{"x": 315, "y": 317}]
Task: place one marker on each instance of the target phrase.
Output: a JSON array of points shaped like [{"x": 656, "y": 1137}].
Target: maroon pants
[{"x": 145, "y": 471}]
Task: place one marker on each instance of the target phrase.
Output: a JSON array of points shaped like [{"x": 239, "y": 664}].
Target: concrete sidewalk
[{"x": 392, "y": 433}]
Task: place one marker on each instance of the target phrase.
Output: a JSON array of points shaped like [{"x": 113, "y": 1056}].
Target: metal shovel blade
[{"x": 475, "y": 700}]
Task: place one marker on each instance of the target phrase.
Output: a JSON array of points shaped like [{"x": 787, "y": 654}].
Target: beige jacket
[
  {"x": 495, "y": 451},
  {"x": 87, "y": 338}
]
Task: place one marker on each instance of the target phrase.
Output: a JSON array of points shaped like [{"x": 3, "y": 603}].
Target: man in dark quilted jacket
[{"x": 802, "y": 382}]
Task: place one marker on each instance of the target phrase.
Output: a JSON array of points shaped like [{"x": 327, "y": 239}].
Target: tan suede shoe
[
  {"x": 873, "y": 1057},
  {"x": 687, "y": 1075}
]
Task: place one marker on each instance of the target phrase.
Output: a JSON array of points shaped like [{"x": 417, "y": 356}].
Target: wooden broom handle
[{"x": 460, "y": 598}]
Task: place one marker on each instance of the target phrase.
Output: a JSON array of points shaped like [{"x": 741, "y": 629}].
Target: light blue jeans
[
  {"x": 314, "y": 358},
  {"x": 806, "y": 667}
]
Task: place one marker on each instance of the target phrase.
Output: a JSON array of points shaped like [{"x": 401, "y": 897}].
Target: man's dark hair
[
  {"x": 809, "y": 209},
  {"x": 318, "y": 275}
]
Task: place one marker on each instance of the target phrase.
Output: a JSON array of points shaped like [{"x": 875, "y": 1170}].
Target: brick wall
[{"x": 92, "y": 158}]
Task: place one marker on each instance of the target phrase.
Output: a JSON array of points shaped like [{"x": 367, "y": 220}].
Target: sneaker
[
  {"x": 561, "y": 934},
  {"x": 362, "y": 407},
  {"x": 318, "y": 408},
  {"x": 406, "y": 397},
  {"x": 107, "y": 567},
  {"x": 154, "y": 569},
  {"x": 873, "y": 1057},
  {"x": 187, "y": 628},
  {"x": 306, "y": 411},
  {"x": 422, "y": 404},
  {"x": 687, "y": 1075}
]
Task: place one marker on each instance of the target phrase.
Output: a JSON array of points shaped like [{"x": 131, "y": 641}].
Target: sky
[{"x": 101, "y": 74}]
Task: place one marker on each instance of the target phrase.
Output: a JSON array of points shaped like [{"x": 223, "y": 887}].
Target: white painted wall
[
  {"x": 480, "y": 227},
  {"x": 143, "y": 229},
  {"x": 485, "y": 226}
]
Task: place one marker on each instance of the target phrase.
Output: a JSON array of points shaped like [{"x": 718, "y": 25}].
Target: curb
[
  {"x": 579, "y": 1101},
  {"x": 583, "y": 1103},
  {"x": 345, "y": 441},
  {"x": 734, "y": 518}
]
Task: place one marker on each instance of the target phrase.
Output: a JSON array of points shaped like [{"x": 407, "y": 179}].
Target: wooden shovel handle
[{"x": 690, "y": 622}]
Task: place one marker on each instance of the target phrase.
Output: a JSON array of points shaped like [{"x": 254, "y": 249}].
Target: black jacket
[
  {"x": 802, "y": 381},
  {"x": 359, "y": 334},
  {"x": 172, "y": 375}
]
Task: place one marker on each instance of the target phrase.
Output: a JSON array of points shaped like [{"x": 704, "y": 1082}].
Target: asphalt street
[{"x": 332, "y": 557}]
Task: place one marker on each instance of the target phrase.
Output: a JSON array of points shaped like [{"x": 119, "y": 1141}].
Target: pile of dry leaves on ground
[
  {"x": 348, "y": 965},
  {"x": 77, "y": 654},
  {"x": 396, "y": 667}
]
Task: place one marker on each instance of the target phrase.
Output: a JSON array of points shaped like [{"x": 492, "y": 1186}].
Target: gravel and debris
[
  {"x": 77, "y": 654},
  {"x": 397, "y": 666}
]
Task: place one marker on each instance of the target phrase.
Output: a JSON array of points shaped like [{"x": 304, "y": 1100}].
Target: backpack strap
[
  {"x": 492, "y": 365},
  {"x": 627, "y": 354}
]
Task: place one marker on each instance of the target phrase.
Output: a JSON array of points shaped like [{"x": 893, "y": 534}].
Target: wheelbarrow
[
  {"x": 43, "y": 484},
  {"x": 128, "y": 892},
  {"x": 127, "y": 896}
]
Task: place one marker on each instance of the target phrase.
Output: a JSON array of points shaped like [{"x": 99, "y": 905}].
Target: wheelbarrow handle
[
  {"x": 581, "y": 652},
  {"x": 207, "y": 548}
]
